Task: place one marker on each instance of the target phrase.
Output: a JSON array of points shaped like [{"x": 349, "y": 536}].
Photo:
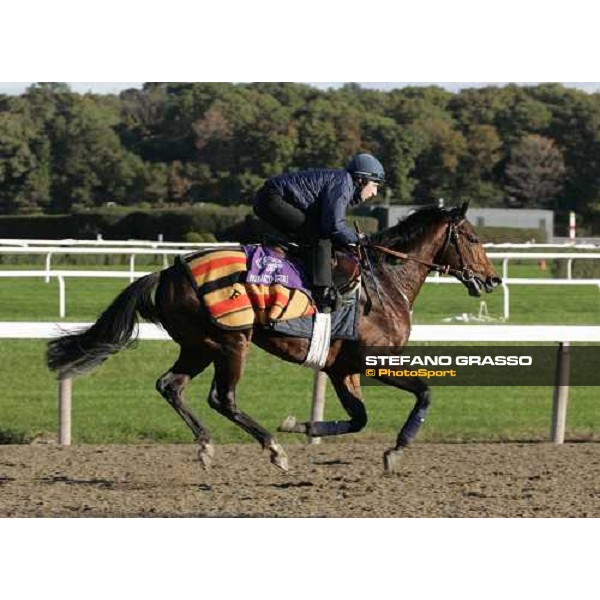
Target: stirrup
[{"x": 325, "y": 299}]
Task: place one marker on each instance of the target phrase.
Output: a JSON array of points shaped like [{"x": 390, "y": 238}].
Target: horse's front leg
[
  {"x": 413, "y": 422},
  {"x": 347, "y": 387}
]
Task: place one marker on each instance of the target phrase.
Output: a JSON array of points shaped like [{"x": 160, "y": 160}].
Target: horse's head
[{"x": 463, "y": 253}]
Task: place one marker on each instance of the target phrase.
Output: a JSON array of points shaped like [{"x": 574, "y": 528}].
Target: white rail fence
[
  {"x": 562, "y": 335},
  {"x": 538, "y": 256},
  {"x": 506, "y": 283},
  {"x": 50, "y": 252},
  {"x": 162, "y": 244},
  {"x": 166, "y": 250},
  {"x": 62, "y": 275},
  {"x": 97, "y": 242}
]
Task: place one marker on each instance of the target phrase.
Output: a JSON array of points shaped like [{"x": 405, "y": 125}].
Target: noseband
[{"x": 464, "y": 274}]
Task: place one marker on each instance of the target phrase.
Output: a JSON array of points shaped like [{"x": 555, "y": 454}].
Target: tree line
[{"x": 172, "y": 144}]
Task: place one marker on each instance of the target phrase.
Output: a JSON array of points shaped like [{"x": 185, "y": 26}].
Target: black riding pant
[{"x": 300, "y": 226}]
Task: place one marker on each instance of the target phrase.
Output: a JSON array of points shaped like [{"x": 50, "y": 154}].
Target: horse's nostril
[{"x": 494, "y": 282}]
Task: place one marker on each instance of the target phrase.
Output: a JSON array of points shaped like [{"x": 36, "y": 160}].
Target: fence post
[
  {"x": 65, "y": 386},
  {"x": 48, "y": 265},
  {"x": 62, "y": 297},
  {"x": 318, "y": 404},
  {"x": 561, "y": 393},
  {"x": 506, "y": 299},
  {"x": 505, "y": 268}
]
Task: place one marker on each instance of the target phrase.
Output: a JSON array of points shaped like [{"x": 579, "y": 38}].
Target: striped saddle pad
[{"x": 232, "y": 302}]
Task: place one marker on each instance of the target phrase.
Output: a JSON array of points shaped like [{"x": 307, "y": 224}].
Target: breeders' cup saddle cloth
[{"x": 240, "y": 287}]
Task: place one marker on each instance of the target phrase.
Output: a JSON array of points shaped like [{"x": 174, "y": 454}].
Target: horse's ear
[{"x": 463, "y": 208}]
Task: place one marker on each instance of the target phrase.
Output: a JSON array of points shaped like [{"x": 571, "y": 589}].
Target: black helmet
[{"x": 366, "y": 166}]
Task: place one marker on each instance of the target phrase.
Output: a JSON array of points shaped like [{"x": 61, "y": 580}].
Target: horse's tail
[{"x": 115, "y": 329}]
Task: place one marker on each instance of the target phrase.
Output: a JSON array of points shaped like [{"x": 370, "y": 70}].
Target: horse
[{"x": 431, "y": 238}]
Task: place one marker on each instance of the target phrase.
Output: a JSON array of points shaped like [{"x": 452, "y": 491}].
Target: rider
[{"x": 310, "y": 207}]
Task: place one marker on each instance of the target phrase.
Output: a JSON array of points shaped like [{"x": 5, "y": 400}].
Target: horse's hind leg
[
  {"x": 347, "y": 387},
  {"x": 190, "y": 363},
  {"x": 228, "y": 371}
]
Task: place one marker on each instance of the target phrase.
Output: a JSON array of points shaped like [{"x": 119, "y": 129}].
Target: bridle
[{"x": 453, "y": 233}]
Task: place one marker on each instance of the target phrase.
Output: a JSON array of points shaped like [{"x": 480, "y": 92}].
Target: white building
[{"x": 521, "y": 218}]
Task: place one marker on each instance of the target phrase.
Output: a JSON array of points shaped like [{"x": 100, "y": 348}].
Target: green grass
[{"x": 118, "y": 404}]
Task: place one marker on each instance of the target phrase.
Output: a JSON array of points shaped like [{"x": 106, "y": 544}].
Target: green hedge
[
  {"x": 173, "y": 224},
  {"x": 177, "y": 225},
  {"x": 502, "y": 235}
]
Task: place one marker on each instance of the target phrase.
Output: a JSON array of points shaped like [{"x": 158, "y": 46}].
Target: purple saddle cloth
[{"x": 268, "y": 267}]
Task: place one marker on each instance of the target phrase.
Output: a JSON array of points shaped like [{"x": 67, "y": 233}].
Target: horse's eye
[{"x": 471, "y": 237}]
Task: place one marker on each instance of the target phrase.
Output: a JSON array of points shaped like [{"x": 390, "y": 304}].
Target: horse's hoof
[
  {"x": 291, "y": 425},
  {"x": 391, "y": 460},
  {"x": 206, "y": 452},
  {"x": 288, "y": 424},
  {"x": 278, "y": 456}
]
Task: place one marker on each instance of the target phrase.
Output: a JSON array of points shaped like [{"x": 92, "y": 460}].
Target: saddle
[
  {"x": 346, "y": 269},
  {"x": 346, "y": 273}
]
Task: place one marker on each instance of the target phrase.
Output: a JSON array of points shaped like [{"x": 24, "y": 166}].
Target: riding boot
[
  {"x": 324, "y": 298},
  {"x": 322, "y": 277}
]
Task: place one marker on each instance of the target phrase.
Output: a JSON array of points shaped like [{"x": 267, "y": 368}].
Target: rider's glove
[{"x": 363, "y": 239}]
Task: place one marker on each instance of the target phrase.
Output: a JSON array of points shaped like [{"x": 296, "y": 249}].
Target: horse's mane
[{"x": 412, "y": 227}]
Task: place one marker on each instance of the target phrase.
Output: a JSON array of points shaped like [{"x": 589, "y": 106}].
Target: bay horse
[{"x": 431, "y": 238}]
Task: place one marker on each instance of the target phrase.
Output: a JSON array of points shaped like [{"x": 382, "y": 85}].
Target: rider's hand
[{"x": 363, "y": 239}]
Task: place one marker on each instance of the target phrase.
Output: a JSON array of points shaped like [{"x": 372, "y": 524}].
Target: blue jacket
[{"x": 333, "y": 189}]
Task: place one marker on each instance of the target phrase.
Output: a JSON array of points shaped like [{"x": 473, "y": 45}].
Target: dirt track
[{"x": 332, "y": 480}]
